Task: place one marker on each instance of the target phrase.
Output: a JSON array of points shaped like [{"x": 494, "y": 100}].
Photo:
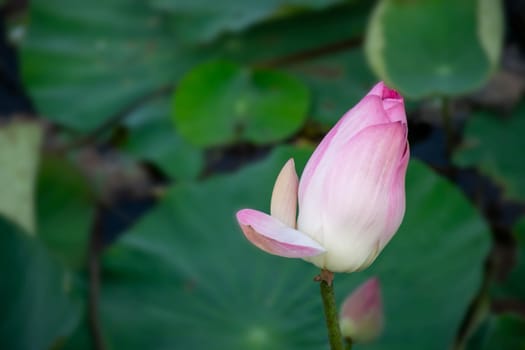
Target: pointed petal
[
  {"x": 377, "y": 90},
  {"x": 383, "y": 91},
  {"x": 392, "y": 102},
  {"x": 274, "y": 237},
  {"x": 284, "y": 195}
]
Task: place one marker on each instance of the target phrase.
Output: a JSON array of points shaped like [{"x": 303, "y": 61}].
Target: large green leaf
[
  {"x": 185, "y": 277},
  {"x": 37, "y": 294},
  {"x": 203, "y": 20},
  {"x": 19, "y": 155},
  {"x": 435, "y": 46},
  {"x": 294, "y": 39},
  {"x": 221, "y": 102},
  {"x": 152, "y": 137},
  {"x": 84, "y": 62},
  {"x": 494, "y": 145}
]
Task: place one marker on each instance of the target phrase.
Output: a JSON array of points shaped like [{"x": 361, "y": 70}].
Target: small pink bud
[{"x": 361, "y": 316}]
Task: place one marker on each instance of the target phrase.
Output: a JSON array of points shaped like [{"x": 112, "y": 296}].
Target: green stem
[
  {"x": 94, "y": 324},
  {"x": 349, "y": 343},
  {"x": 330, "y": 312}
]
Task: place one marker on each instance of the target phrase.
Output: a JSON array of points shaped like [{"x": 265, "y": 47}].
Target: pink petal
[
  {"x": 362, "y": 316},
  {"x": 365, "y": 299},
  {"x": 392, "y": 102},
  {"x": 364, "y": 171},
  {"x": 380, "y": 106},
  {"x": 356, "y": 197},
  {"x": 284, "y": 195},
  {"x": 274, "y": 237},
  {"x": 397, "y": 198},
  {"x": 383, "y": 91},
  {"x": 396, "y": 111},
  {"x": 369, "y": 111}
]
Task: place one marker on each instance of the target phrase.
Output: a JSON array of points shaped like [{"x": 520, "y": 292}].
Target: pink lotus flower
[
  {"x": 362, "y": 317},
  {"x": 351, "y": 194}
]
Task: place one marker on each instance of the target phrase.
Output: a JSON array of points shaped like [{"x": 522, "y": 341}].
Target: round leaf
[
  {"x": 83, "y": 63},
  {"x": 36, "y": 293},
  {"x": 221, "y": 102},
  {"x": 435, "y": 46},
  {"x": 185, "y": 277},
  {"x": 203, "y": 21}
]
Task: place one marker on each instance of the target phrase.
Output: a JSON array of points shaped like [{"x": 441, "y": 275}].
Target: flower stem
[
  {"x": 349, "y": 342},
  {"x": 330, "y": 310}
]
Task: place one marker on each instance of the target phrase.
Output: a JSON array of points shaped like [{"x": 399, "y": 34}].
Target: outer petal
[
  {"x": 396, "y": 111},
  {"x": 369, "y": 111},
  {"x": 274, "y": 237},
  {"x": 348, "y": 206},
  {"x": 284, "y": 195},
  {"x": 362, "y": 316}
]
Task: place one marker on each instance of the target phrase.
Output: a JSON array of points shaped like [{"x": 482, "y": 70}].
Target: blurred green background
[{"x": 133, "y": 130}]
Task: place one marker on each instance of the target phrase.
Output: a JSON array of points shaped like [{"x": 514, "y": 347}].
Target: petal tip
[
  {"x": 241, "y": 216},
  {"x": 385, "y": 92},
  {"x": 283, "y": 204}
]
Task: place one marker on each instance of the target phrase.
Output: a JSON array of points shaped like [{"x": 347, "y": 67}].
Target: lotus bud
[
  {"x": 351, "y": 195},
  {"x": 361, "y": 317}
]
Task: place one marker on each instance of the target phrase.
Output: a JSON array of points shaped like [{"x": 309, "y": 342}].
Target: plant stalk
[
  {"x": 349, "y": 342},
  {"x": 330, "y": 310},
  {"x": 95, "y": 327}
]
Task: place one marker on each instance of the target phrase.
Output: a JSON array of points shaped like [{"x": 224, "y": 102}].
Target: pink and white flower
[{"x": 351, "y": 195}]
